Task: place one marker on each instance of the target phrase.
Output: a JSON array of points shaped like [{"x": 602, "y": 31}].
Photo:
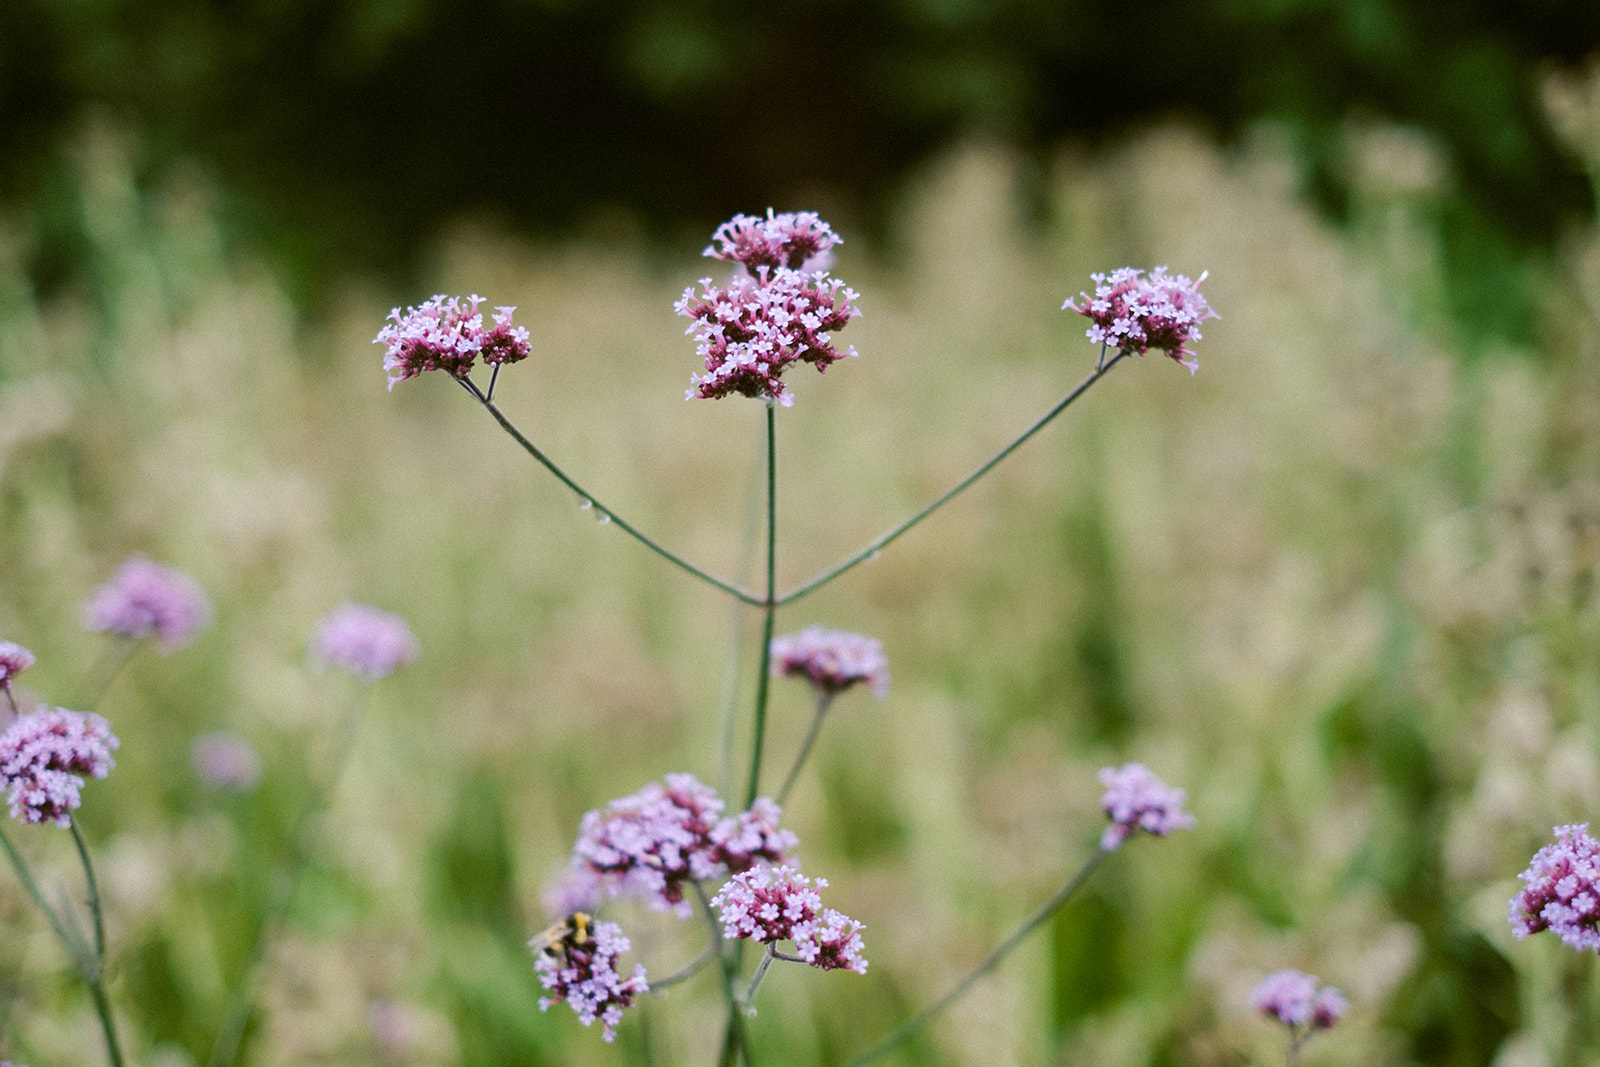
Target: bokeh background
[{"x": 1341, "y": 584}]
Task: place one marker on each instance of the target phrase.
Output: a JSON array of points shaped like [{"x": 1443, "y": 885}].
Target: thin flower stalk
[
  {"x": 824, "y": 701},
  {"x": 768, "y": 613},
  {"x": 735, "y": 1042},
  {"x": 96, "y": 974}
]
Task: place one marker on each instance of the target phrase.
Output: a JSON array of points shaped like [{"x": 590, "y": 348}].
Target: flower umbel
[
  {"x": 145, "y": 599},
  {"x": 1135, "y": 799},
  {"x": 833, "y": 660},
  {"x": 1562, "y": 890},
  {"x": 14, "y": 659},
  {"x": 577, "y": 964},
  {"x": 1293, "y": 998},
  {"x": 364, "y": 641},
  {"x": 1134, "y": 314},
  {"x": 448, "y": 334},
  {"x": 768, "y": 904},
  {"x": 793, "y": 240},
  {"x": 44, "y": 756}
]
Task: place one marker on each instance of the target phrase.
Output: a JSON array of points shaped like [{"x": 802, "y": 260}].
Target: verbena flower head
[
  {"x": 1562, "y": 890},
  {"x": 1134, "y": 314},
  {"x": 225, "y": 760},
  {"x": 364, "y": 641},
  {"x": 578, "y": 966},
  {"x": 145, "y": 599},
  {"x": 651, "y": 844},
  {"x": 770, "y": 904},
  {"x": 793, "y": 240},
  {"x": 1294, "y": 999},
  {"x": 448, "y": 334},
  {"x": 1135, "y": 799},
  {"x": 14, "y": 659},
  {"x": 44, "y": 757},
  {"x": 832, "y": 660}
]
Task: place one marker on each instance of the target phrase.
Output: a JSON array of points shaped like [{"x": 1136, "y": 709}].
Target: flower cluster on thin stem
[
  {"x": 447, "y": 333},
  {"x": 579, "y": 969},
  {"x": 1133, "y": 313},
  {"x": 364, "y": 641},
  {"x": 1296, "y": 1000},
  {"x": 44, "y": 757},
  {"x": 1561, "y": 890},
  {"x": 832, "y": 660},
  {"x": 145, "y": 599},
  {"x": 772, "y": 904},
  {"x": 14, "y": 659},
  {"x": 1136, "y": 799}
]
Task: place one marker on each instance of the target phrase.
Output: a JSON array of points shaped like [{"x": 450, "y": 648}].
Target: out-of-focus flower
[
  {"x": 1134, "y": 314},
  {"x": 576, "y": 888},
  {"x": 368, "y": 643},
  {"x": 793, "y": 239},
  {"x": 770, "y": 904},
  {"x": 577, "y": 964},
  {"x": 44, "y": 756},
  {"x": 1293, "y": 998},
  {"x": 448, "y": 334},
  {"x": 14, "y": 659},
  {"x": 225, "y": 760},
  {"x": 394, "y": 1030},
  {"x": 145, "y": 599},
  {"x": 1135, "y": 799},
  {"x": 833, "y": 660},
  {"x": 1562, "y": 890},
  {"x": 651, "y": 844}
]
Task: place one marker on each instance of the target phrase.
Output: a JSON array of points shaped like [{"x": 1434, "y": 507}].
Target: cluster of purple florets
[
  {"x": 583, "y": 974},
  {"x": 771, "y": 904},
  {"x": 1562, "y": 890},
  {"x": 14, "y": 659},
  {"x": 45, "y": 756},
  {"x": 1295, "y": 999},
  {"x": 367, "y": 642},
  {"x": 1134, "y": 314},
  {"x": 777, "y": 313},
  {"x": 832, "y": 660},
  {"x": 448, "y": 334},
  {"x": 145, "y": 599},
  {"x": 1136, "y": 799}
]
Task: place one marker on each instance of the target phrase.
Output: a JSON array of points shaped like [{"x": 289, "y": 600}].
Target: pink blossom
[
  {"x": 793, "y": 239},
  {"x": 1134, "y": 314},
  {"x": 145, "y": 599},
  {"x": 364, "y": 641},
  {"x": 1135, "y": 799},
  {"x": 579, "y": 968},
  {"x": 1292, "y": 997},
  {"x": 448, "y": 334},
  {"x": 833, "y": 660},
  {"x": 1562, "y": 890},
  {"x": 44, "y": 756},
  {"x": 14, "y": 659},
  {"x": 225, "y": 760},
  {"x": 767, "y": 905}
]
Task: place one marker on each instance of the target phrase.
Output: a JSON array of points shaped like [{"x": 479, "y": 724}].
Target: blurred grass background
[{"x": 1340, "y": 585}]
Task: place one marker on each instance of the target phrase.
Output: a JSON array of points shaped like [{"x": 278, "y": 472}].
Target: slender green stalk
[
  {"x": 876, "y": 544},
  {"x": 737, "y": 625},
  {"x": 902, "y": 1033},
  {"x": 600, "y": 509},
  {"x": 755, "y": 980},
  {"x": 96, "y": 976},
  {"x": 243, "y": 1003},
  {"x": 735, "y": 1043},
  {"x": 687, "y": 971},
  {"x": 106, "y": 669},
  {"x": 74, "y": 944},
  {"x": 824, "y": 700},
  {"x": 768, "y": 610}
]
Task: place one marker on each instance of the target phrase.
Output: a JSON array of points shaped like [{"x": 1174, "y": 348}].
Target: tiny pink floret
[
  {"x": 364, "y": 641},
  {"x": 1134, "y": 314},
  {"x": 44, "y": 757},
  {"x": 584, "y": 976},
  {"x": 1294, "y": 999},
  {"x": 832, "y": 660},
  {"x": 1562, "y": 890},
  {"x": 771, "y": 904},
  {"x": 1136, "y": 799},
  {"x": 145, "y": 599},
  {"x": 448, "y": 333},
  {"x": 14, "y": 659}
]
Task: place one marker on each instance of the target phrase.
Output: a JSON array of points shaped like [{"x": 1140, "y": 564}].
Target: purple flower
[
  {"x": 1135, "y": 799},
  {"x": 578, "y": 966},
  {"x": 145, "y": 599},
  {"x": 14, "y": 659},
  {"x": 448, "y": 334},
  {"x": 1135, "y": 314},
  {"x": 833, "y": 660},
  {"x": 653, "y": 843},
  {"x": 44, "y": 756},
  {"x": 770, "y": 904},
  {"x": 1292, "y": 997},
  {"x": 1562, "y": 891},
  {"x": 225, "y": 760},
  {"x": 366, "y": 642},
  {"x": 793, "y": 240}
]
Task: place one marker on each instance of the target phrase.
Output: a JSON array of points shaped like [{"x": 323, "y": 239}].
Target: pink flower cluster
[
  {"x": 833, "y": 660},
  {"x": 651, "y": 844},
  {"x": 769, "y": 904},
  {"x": 364, "y": 641},
  {"x": 145, "y": 599},
  {"x": 1292, "y": 997},
  {"x": 44, "y": 756},
  {"x": 760, "y": 323},
  {"x": 1562, "y": 890},
  {"x": 14, "y": 659},
  {"x": 448, "y": 334},
  {"x": 1135, "y": 799},
  {"x": 1134, "y": 314},
  {"x": 583, "y": 974}
]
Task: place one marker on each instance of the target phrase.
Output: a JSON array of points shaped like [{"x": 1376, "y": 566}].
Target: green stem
[
  {"x": 755, "y": 980},
  {"x": 106, "y": 669},
  {"x": 74, "y": 945},
  {"x": 879, "y": 542},
  {"x": 768, "y": 610},
  {"x": 599, "y": 508},
  {"x": 734, "y": 1042},
  {"x": 97, "y": 976},
  {"x": 824, "y": 699},
  {"x": 902, "y": 1033}
]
